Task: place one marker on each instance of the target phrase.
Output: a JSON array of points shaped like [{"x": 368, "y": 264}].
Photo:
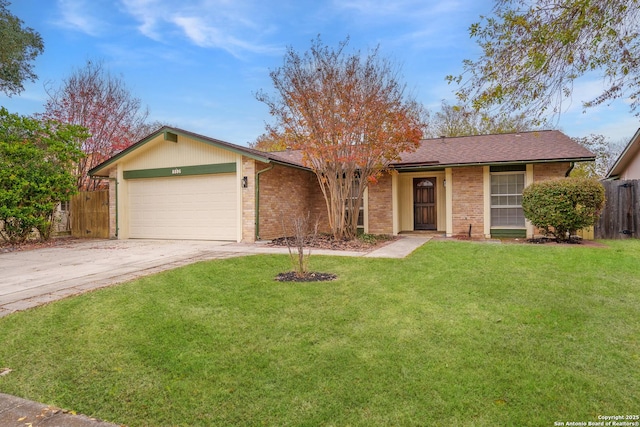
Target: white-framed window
[
  {"x": 506, "y": 199},
  {"x": 354, "y": 195}
]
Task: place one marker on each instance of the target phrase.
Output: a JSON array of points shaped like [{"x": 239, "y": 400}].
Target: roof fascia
[
  {"x": 614, "y": 172},
  {"x": 291, "y": 165},
  {"x": 515, "y": 162}
]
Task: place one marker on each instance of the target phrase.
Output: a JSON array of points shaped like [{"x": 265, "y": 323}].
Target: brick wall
[
  {"x": 468, "y": 201},
  {"x": 286, "y": 193},
  {"x": 381, "y": 206},
  {"x": 546, "y": 171}
]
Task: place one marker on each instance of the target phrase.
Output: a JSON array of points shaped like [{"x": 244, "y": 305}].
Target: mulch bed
[
  {"x": 30, "y": 245},
  {"x": 552, "y": 241},
  {"x": 292, "y": 276},
  {"x": 326, "y": 241},
  {"x": 543, "y": 240},
  {"x": 578, "y": 241}
]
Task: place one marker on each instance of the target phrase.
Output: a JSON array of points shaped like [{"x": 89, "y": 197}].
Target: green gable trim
[
  {"x": 509, "y": 233},
  {"x": 173, "y": 135},
  {"x": 181, "y": 171}
]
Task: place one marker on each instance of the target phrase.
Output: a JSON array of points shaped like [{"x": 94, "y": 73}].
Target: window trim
[{"x": 492, "y": 206}]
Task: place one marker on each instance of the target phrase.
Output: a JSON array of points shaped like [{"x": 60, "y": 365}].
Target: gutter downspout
[
  {"x": 573, "y": 164},
  {"x": 258, "y": 199}
]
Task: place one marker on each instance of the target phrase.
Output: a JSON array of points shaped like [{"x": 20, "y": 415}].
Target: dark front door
[{"x": 424, "y": 204}]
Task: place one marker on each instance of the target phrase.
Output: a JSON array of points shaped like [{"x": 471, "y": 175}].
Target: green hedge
[{"x": 561, "y": 207}]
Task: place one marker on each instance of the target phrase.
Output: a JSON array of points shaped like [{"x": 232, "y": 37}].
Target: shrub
[
  {"x": 561, "y": 207},
  {"x": 37, "y": 162}
]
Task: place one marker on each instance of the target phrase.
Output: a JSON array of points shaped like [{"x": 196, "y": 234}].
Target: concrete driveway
[{"x": 35, "y": 277}]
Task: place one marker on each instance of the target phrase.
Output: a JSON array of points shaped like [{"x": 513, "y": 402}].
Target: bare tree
[
  {"x": 300, "y": 234},
  {"x": 606, "y": 155},
  {"x": 461, "y": 120},
  {"x": 145, "y": 129},
  {"x": 93, "y": 98}
]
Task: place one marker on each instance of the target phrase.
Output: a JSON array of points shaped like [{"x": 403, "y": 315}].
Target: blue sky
[{"x": 197, "y": 64}]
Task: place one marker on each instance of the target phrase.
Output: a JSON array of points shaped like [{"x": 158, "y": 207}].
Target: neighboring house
[
  {"x": 175, "y": 184},
  {"x": 627, "y": 166},
  {"x": 61, "y": 224}
]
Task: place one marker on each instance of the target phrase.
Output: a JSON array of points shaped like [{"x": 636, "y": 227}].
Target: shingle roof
[
  {"x": 535, "y": 146},
  {"x": 548, "y": 145},
  {"x": 293, "y": 157}
]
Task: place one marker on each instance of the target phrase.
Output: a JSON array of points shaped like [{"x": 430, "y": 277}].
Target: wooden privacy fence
[
  {"x": 620, "y": 217},
  {"x": 89, "y": 214}
]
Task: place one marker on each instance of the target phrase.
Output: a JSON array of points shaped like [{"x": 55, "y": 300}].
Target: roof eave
[
  {"x": 505, "y": 162},
  {"x": 290, "y": 164},
  {"x": 620, "y": 162}
]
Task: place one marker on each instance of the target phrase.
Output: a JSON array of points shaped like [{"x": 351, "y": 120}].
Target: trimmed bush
[{"x": 561, "y": 207}]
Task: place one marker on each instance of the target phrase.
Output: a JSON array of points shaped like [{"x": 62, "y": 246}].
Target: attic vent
[{"x": 170, "y": 136}]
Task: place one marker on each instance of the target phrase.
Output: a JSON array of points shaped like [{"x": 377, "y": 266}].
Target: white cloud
[
  {"x": 221, "y": 24},
  {"x": 76, "y": 15},
  {"x": 148, "y": 13},
  {"x": 406, "y": 9},
  {"x": 616, "y": 122},
  {"x": 423, "y": 17}
]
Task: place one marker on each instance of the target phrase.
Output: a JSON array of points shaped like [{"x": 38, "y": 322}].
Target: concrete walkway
[
  {"x": 400, "y": 248},
  {"x": 17, "y": 412},
  {"x": 36, "y": 277}
]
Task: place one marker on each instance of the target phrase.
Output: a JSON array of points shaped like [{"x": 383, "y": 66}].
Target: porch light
[
  {"x": 245, "y": 182},
  {"x": 444, "y": 182}
]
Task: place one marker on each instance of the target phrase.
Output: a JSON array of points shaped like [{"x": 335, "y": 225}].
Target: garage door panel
[{"x": 195, "y": 207}]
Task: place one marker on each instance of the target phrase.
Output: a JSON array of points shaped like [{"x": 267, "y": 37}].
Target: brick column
[{"x": 249, "y": 200}]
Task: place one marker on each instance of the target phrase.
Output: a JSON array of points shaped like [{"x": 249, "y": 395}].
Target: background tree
[
  {"x": 19, "y": 47},
  {"x": 145, "y": 129},
  {"x": 606, "y": 154},
  {"x": 460, "y": 120},
  {"x": 93, "y": 98},
  {"x": 349, "y": 115},
  {"x": 270, "y": 142},
  {"x": 37, "y": 161},
  {"x": 533, "y": 51}
]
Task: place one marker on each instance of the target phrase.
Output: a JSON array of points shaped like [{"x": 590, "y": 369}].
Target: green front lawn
[{"x": 456, "y": 334}]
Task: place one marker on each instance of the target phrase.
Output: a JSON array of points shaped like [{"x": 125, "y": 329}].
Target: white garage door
[{"x": 199, "y": 207}]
